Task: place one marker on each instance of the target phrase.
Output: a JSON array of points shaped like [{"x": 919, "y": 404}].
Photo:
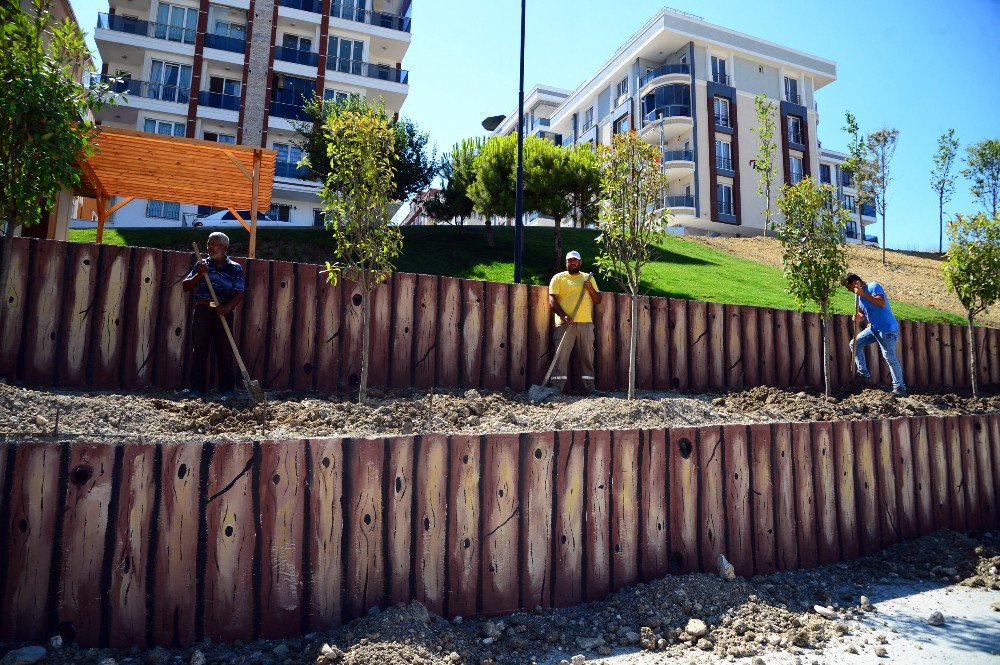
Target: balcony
[
  {"x": 134, "y": 26},
  {"x": 868, "y": 210},
  {"x": 314, "y": 6},
  {"x": 682, "y": 201},
  {"x": 291, "y": 170},
  {"x": 224, "y": 43},
  {"x": 678, "y": 156},
  {"x": 289, "y": 111},
  {"x": 132, "y": 88},
  {"x": 369, "y": 70},
  {"x": 587, "y": 126},
  {"x": 377, "y": 19},
  {"x": 725, "y": 208},
  {"x": 793, "y": 98},
  {"x": 285, "y": 54},
  {"x": 723, "y": 163},
  {"x": 721, "y": 79},
  {"x": 669, "y": 111},
  {"x": 664, "y": 70},
  {"x": 795, "y": 137},
  {"x": 723, "y": 120},
  {"x": 568, "y": 140},
  {"x": 218, "y": 100}
]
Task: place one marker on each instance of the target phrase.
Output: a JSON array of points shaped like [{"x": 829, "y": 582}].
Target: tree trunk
[
  {"x": 365, "y": 334},
  {"x": 489, "y": 233},
  {"x": 826, "y": 351},
  {"x": 633, "y": 348},
  {"x": 940, "y": 225},
  {"x": 973, "y": 360},
  {"x": 883, "y": 237},
  {"x": 559, "y": 245},
  {"x": 861, "y": 227}
]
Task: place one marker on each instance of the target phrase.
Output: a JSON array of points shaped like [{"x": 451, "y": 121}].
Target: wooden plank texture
[
  {"x": 825, "y": 476},
  {"x": 432, "y": 522},
  {"x": 46, "y": 295},
  {"x": 712, "y": 497},
  {"x": 13, "y": 308},
  {"x": 380, "y": 334},
  {"x": 625, "y": 508},
  {"x": 73, "y": 351},
  {"x": 143, "y": 303},
  {"x": 363, "y": 527},
  {"x": 660, "y": 308},
  {"x": 739, "y": 549},
  {"x": 449, "y": 341},
  {"x": 938, "y": 463},
  {"x": 304, "y": 360},
  {"x": 698, "y": 351},
  {"x": 403, "y": 334},
  {"x": 500, "y": 562},
  {"x": 402, "y": 494},
  {"x": 597, "y": 502},
  {"x": 537, "y": 463},
  {"x": 680, "y": 367},
  {"x": 426, "y": 335},
  {"x": 762, "y": 487},
  {"x": 496, "y": 304},
  {"x": 539, "y": 321},
  {"x": 517, "y": 377},
  {"x": 473, "y": 304},
  {"x": 785, "y": 522},
  {"x": 569, "y": 534},
  {"x": 751, "y": 348},
  {"x": 109, "y": 327},
  {"x": 255, "y": 319},
  {"x": 463, "y": 524},
  {"x": 717, "y": 345},
  {"x": 734, "y": 348},
  {"x": 330, "y": 329},
  {"x": 324, "y": 533},
  {"x": 282, "y": 505},
  {"x": 805, "y": 495},
  {"x": 867, "y": 487},
  {"x": 768, "y": 351}
]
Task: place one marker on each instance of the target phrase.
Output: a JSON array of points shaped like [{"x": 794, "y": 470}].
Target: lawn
[{"x": 681, "y": 268}]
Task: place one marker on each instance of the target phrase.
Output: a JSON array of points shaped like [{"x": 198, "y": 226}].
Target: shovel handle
[{"x": 225, "y": 324}]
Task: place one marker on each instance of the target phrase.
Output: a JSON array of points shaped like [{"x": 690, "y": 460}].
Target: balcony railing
[
  {"x": 132, "y": 88},
  {"x": 289, "y": 111},
  {"x": 795, "y": 137},
  {"x": 795, "y": 177},
  {"x": 682, "y": 201},
  {"x": 663, "y": 70},
  {"x": 722, "y": 120},
  {"x": 669, "y": 111},
  {"x": 218, "y": 100},
  {"x": 568, "y": 140},
  {"x": 315, "y": 6},
  {"x": 377, "y": 19},
  {"x": 369, "y": 70},
  {"x": 725, "y": 208},
  {"x": 721, "y": 78},
  {"x": 723, "y": 163},
  {"x": 793, "y": 98},
  {"x": 134, "y": 26},
  {"x": 539, "y": 123},
  {"x": 678, "y": 156},
  {"x": 587, "y": 126},
  {"x": 868, "y": 210},
  {"x": 291, "y": 170},
  {"x": 295, "y": 55},
  {"x": 225, "y": 43}
]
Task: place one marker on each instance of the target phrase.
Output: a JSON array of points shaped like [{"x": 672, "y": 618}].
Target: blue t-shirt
[
  {"x": 881, "y": 318},
  {"x": 227, "y": 281}
]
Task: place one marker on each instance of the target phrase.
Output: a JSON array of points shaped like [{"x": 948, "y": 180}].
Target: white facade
[{"x": 203, "y": 70}]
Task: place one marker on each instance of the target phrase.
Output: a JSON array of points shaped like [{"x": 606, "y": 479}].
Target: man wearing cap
[
  {"x": 873, "y": 304},
  {"x": 566, "y": 290}
]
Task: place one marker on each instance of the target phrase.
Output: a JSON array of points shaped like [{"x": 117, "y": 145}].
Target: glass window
[
  {"x": 229, "y": 29},
  {"x": 280, "y": 212},
  {"x": 719, "y": 70},
  {"x": 337, "y": 96},
  {"x": 723, "y": 155},
  {"x": 722, "y": 112},
  {"x": 792, "y": 90},
  {"x": 224, "y": 86},
  {"x": 621, "y": 88},
  {"x": 621, "y": 125},
  {"x": 219, "y": 138},
  {"x": 849, "y": 203},
  {"x": 666, "y": 101},
  {"x": 297, "y": 43},
  {"x": 163, "y": 127},
  {"x": 724, "y": 196},
  {"x": 345, "y": 55},
  {"x": 163, "y": 210},
  {"x": 795, "y": 169},
  {"x": 169, "y": 81},
  {"x": 288, "y": 153},
  {"x": 824, "y": 173},
  {"x": 794, "y": 129},
  {"x": 319, "y": 217},
  {"x": 177, "y": 24}
]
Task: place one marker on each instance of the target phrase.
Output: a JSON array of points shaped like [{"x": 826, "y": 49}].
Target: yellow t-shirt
[{"x": 566, "y": 288}]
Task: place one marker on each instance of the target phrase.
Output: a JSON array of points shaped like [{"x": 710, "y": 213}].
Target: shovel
[
  {"x": 539, "y": 394},
  {"x": 252, "y": 386}
]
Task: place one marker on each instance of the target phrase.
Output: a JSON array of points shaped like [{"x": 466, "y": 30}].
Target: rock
[
  {"x": 996, "y": 605},
  {"x": 56, "y": 643},
  {"x": 281, "y": 651},
  {"x": 719, "y": 401},
  {"x": 704, "y": 645},
  {"x": 457, "y": 620},
  {"x": 726, "y": 569},
  {"x": 757, "y": 660},
  {"x": 472, "y": 395},
  {"x": 589, "y": 642},
  {"x": 107, "y": 661},
  {"x": 881, "y": 652},
  {"x": 578, "y": 659},
  {"x": 935, "y": 619},
  {"x": 406, "y": 426},
  {"x": 256, "y": 657},
  {"x": 24, "y": 656},
  {"x": 197, "y": 658},
  {"x": 41, "y": 421},
  {"x": 604, "y": 650},
  {"x": 418, "y": 612},
  {"x": 825, "y": 612},
  {"x": 492, "y": 629},
  {"x": 696, "y": 628}
]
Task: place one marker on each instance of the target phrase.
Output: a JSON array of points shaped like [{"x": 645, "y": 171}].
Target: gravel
[
  {"x": 31, "y": 415},
  {"x": 685, "y": 617}
]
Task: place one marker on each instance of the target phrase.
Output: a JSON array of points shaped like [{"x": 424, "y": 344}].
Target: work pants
[
  {"x": 582, "y": 339},
  {"x": 208, "y": 335}
]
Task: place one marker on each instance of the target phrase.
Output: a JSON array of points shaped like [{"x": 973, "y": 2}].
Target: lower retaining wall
[{"x": 166, "y": 544}]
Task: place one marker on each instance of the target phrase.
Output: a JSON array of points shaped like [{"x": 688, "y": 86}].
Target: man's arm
[
  {"x": 557, "y": 309},
  {"x": 231, "y": 305},
  {"x": 191, "y": 281},
  {"x": 878, "y": 299},
  {"x": 595, "y": 295}
]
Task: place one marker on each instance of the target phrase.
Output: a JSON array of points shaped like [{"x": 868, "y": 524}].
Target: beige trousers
[{"x": 582, "y": 340}]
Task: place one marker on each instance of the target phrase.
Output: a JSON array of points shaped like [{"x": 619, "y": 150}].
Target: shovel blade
[
  {"x": 255, "y": 392},
  {"x": 539, "y": 394}
]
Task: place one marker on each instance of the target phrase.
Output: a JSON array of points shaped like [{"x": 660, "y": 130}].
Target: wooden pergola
[{"x": 133, "y": 164}]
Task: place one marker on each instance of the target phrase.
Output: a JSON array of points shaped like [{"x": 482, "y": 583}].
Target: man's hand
[
  {"x": 858, "y": 318},
  {"x": 203, "y": 267},
  {"x": 856, "y": 289},
  {"x": 567, "y": 319}
]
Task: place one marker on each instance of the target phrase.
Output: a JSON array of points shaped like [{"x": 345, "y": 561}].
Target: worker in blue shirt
[
  {"x": 873, "y": 304},
  {"x": 207, "y": 333}
]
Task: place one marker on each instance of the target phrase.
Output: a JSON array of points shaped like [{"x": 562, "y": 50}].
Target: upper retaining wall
[
  {"x": 167, "y": 544},
  {"x": 88, "y": 316}
]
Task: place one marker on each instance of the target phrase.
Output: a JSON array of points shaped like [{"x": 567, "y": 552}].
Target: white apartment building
[
  {"x": 238, "y": 71},
  {"x": 688, "y": 87}
]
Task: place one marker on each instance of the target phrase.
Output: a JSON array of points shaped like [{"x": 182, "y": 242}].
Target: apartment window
[
  {"x": 792, "y": 91},
  {"x": 852, "y": 229},
  {"x": 229, "y": 29},
  {"x": 337, "y": 96},
  {"x": 849, "y": 204},
  {"x": 795, "y": 173},
  {"x": 345, "y": 55},
  {"x": 163, "y": 210},
  {"x": 280, "y": 212},
  {"x": 224, "y": 86},
  {"x": 169, "y": 81},
  {"x": 723, "y": 155},
  {"x": 621, "y": 125},
  {"x": 219, "y": 138},
  {"x": 297, "y": 43},
  {"x": 846, "y": 178},
  {"x": 287, "y": 153},
  {"x": 722, "y": 112},
  {"x": 824, "y": 174},
  {"x": 621, "y": 89},
  {"x": 588, "y": 119},
  {"x": 352, "y": 10},
  {"x": 177, "y": 24},
  {"x": 719, "y": 70},
  {"x": 319, "y": 217},
  {"x": 163, "y": 127},
  {"x": 795, "y": 129},
  {"x": 724, "y": 196}
]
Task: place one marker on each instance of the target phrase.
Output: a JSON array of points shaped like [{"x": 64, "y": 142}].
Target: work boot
[
  {"x": 861, "y": 381},
  {"x": 899, "y": 392}
]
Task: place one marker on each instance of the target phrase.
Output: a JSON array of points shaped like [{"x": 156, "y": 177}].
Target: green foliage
[
  {"x": 584, "y": 182},
  {"x": 458, "y": 170},
  {"x": 357, "y": 192},
  {"x": 414, "y": 166},
  {"x": 882, "y": 147},
  {"x": 983, "y": 169},
  {"x": 942, "y": 177},
  {"x": 859, "y": 164},
  {"x": 766, "y": 150},
  {"x": 46, "y": 114},
  {"x": 813, "y": 251}
]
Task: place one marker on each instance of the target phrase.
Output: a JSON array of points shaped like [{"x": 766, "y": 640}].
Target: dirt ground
[
  {"x": 29, "y": 415},
  {"x": 692, "y": 618},
  {"x": 911, "y": 277}
]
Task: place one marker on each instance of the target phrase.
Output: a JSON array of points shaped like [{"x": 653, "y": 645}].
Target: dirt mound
[{"x": 27, "y": 414}]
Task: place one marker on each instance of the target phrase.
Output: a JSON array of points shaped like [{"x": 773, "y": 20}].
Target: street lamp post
[{"x": 519, "y": 190}]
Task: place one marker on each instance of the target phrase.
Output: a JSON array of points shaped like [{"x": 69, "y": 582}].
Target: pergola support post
[
  {"x": 255, "y": 189},
  {"x": 102, "y": 215}
]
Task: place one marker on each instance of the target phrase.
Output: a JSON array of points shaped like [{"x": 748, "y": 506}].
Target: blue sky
[{"x": 916, "y": 65}]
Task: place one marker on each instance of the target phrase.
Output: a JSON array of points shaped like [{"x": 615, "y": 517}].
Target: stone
[
  {"x": 996, "y": 605},
  {"x": 472, "y": 395},
  {"x": 492, "y": 629},
  {"x": 24, "y": 656},
  {"x": 881, "y": 652},
  {"x": 197, "y": 658},
  {"x": 604, "y": 650},
  {"x": 578, "y": 659},
  {"x": 107, "y": 661},
  {"x": 56, "y": 643},
  {"x": 757, "y": 660},
  {"x": 696, "y": 628},
  {"x": 825, "y": 612},
  {"x": 726, "y": 570},
  {"x": 632, "y": 637},
  {"x": 281, "y": 651},
  {"x": 41, "y": 421},
  {"x": 935, "y": 619},
  {"x": 704, "y": 644},
  {"x": 589, "y": 642}
]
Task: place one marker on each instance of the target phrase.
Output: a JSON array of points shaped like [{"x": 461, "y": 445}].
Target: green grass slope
[{"x": 681, "y": 268}]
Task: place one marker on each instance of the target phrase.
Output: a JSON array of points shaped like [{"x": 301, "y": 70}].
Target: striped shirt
[{"x": 227, "y": 281}]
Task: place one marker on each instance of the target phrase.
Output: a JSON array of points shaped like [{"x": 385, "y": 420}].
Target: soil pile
[
  {"x": 27, "y": 414},
  {"x": 797, "y": 613}
]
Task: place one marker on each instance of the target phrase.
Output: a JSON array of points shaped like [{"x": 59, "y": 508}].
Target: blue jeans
[{"x": 887, "y": 342}]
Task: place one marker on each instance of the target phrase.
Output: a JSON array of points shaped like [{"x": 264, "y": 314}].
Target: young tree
[
  {"x": 492, "y": 192},
  {"x": 983, "y": 160},
  {"x": 861, "y": 168},
  {"x": 882, "y": 146},
  {"x": 942, "y": 177},
  {"x": 972, "y": 269},
  {"x": 46, "y": 114},
  {"x": 415, "y": 166},
  {"x": 358, "y": 189},
  {"x": 632, "y": 219},
  {"x": 584, "y": 185},
  {"x": 813, "y": 252},
  {"x": 547, "y": 176},
  {"x": 458, "y": 171},
  {"x": 768, "y": 148}
]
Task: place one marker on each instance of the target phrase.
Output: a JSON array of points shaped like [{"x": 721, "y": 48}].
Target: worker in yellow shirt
[{"x": 572, "y": 296}]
